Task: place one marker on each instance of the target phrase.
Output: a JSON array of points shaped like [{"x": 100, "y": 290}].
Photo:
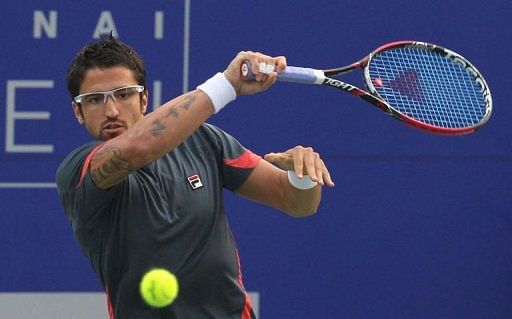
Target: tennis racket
[{"x": 421, "y": 84}]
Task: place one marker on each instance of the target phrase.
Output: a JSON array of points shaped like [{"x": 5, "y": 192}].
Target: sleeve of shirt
[
  {"x": 83, "y": 202},
  {"x": 237, "y": 161}
]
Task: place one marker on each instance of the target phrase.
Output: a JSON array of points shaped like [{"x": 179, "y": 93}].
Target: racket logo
[{"x": 338, "y": 84}]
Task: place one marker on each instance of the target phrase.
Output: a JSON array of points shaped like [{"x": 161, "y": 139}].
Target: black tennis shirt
[{"x": 168, "y": 214}]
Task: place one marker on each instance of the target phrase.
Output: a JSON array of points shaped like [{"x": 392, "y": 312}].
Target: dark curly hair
[{"x": 106, "y": 52}]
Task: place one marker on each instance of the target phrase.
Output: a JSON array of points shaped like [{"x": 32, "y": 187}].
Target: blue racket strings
[{"x": 427, "y": 86}]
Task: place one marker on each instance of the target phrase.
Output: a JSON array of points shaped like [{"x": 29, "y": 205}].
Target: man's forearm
[
  {"x": 150, "y": 138},
  {"x": 168, "y": 126}
]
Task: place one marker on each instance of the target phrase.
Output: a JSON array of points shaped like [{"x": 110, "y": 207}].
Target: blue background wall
[{"x": 418, "y": 225}]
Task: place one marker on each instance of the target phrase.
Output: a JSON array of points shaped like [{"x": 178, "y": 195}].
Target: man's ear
[
  {"x": 144, "y": 101},
  {"x": 78, "y": 112}
]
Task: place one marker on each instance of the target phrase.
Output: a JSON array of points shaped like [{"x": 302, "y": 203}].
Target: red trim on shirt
[
  {"x": 109, "y": 305},
  {"x": 87, "y": 163},
  {"x": 247, "y": 160},
  {"x": 246, "y": 311}
]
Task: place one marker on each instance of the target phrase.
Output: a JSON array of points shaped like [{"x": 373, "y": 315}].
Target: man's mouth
[
  {"x": 111, "y": 130},
  {"x": 113, "y": 126}
]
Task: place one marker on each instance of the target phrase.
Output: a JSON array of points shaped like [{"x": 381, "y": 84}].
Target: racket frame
[{"x": 373, "y": 97}]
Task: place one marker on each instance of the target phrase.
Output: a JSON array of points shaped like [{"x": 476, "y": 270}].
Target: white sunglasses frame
[{"x": 78, "y": 99}]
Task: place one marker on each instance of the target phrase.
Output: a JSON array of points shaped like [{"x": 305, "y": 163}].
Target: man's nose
[{"x": 111, "y": 110}]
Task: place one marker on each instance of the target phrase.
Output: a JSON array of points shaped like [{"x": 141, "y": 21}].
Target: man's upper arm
[
  {"x": 81, "y": 199},
  {"x": 109, "y": 167}
]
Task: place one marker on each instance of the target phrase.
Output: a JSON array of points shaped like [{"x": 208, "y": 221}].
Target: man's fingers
[
  {"x": 303, "y": 160},
  {"x": 326, "y": 175},
  {"x": 270, "y": 157},
  {"x": 310, "y": 158},
  {"x": 298, "y": 161},
  {"x": 319, "y": 169}
]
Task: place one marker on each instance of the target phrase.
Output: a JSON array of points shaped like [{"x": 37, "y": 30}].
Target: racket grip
[{"x": 292, "y": 74}]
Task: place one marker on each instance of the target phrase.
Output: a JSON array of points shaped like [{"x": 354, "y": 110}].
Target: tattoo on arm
[
  {"x": 172, "y": 112},
  {"x": 186, "y": 104},
  {"x": 188, "y": 101},
  {"x": 157, "y": 128},
  {"x": 112, "y": 170}
]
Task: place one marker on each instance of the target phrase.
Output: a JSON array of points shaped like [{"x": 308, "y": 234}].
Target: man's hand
[
  {"x": 304, "y": 161},
  {"x": 262, "y": 81}
]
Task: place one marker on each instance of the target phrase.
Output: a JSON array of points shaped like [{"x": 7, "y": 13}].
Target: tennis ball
[{"x": 159, "y": 288}]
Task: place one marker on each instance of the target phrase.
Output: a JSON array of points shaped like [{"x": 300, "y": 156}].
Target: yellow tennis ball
[{"x": 159, "y": 288}]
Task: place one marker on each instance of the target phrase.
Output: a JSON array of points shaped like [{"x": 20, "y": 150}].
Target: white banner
[{"x": 65, "y": 305}]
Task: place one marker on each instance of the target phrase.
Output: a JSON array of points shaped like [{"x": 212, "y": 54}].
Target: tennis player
[{"x": 147, "y": 192}]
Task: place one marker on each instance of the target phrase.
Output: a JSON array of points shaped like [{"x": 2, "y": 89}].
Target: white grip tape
[
  {"x": 266, "y": 68},
  {"x": 219, "y": 90},
  {"x": 303, "y": 183}
]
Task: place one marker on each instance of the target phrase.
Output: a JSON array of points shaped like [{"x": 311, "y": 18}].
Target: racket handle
[{"x": 293, "y": 74}]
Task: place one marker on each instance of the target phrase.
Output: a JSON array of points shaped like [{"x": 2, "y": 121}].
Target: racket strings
[{"x": 428, "y": 87}]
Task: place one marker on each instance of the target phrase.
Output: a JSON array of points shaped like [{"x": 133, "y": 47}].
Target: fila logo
[{"x": 195, "y": 181}]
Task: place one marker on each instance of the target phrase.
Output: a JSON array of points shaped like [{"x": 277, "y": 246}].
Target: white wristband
[
  {"x": 219, "y": 90},
  {"x": 301, "y": 183}
]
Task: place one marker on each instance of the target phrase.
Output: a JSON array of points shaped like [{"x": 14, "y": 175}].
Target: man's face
[{"x": 107, "y": 120}]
